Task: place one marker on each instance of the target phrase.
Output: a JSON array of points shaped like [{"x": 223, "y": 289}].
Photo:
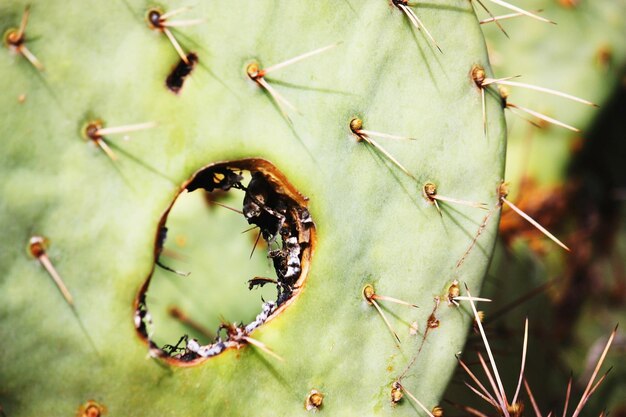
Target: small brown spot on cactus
[
  {"x": 432, "y": 322},
  {"x": 91, "y": 132},
  {"x": 362, "y": 135},
  {"x": 429, "y": 190},
  {"x": 503, "y": 190},
  {"x": 91, "y": 409},
  {"x": 368, "y": 293},
  {"x": 37, "y": 246},
  {"x": 254, "y": 72},
  {"x": 314, "y": 401},
  {"x": 604, "y": 56},
  {"x": 396, "y": 393},
  {"x": 181, "y": 240},
  {"x": 153, "y": 17},
  {"x": 356, "y": 125},
  {"x": 453, "y": 291},
  {"x": 454, "y": 295},
  {"x": 478, "y": 75},
  {"x": 504, "y": 94},
  {"x": 569, "y": 4},
  {"x": 15, "y": 39},
  {"x": 21, "y": 98},
  {"x": 437, "y": 411},
  {"x": 176, "y": 79}
]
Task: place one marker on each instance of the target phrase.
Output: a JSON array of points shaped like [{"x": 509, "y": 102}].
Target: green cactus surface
[{"x": 100, "y": 200}]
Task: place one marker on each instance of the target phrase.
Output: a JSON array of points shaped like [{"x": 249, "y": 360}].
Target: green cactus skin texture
[{"x": 373, "y": 225}]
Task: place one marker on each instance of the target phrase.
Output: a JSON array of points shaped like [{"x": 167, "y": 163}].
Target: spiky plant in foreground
[
  {"x": 371, "y": 111},
  {"x": 513, "y": 405},
  {"x": 569, "y": 182}
]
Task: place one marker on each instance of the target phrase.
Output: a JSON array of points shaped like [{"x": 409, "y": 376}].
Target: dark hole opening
[{"x": 280, "y": 214}]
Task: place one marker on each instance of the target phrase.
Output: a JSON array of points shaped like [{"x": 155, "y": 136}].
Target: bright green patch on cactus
[{"x": 104, "y": 62}]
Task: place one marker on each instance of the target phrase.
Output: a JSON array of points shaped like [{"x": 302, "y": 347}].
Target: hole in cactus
[
  {"x": 201, "y": 233},
  {"x": 176, "y": 79}
]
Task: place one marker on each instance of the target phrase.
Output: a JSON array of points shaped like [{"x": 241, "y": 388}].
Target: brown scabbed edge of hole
[{"x": 282, "y": 184}]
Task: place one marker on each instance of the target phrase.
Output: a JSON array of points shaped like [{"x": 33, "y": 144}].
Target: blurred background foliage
[{"x": 574, "y": 183}]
